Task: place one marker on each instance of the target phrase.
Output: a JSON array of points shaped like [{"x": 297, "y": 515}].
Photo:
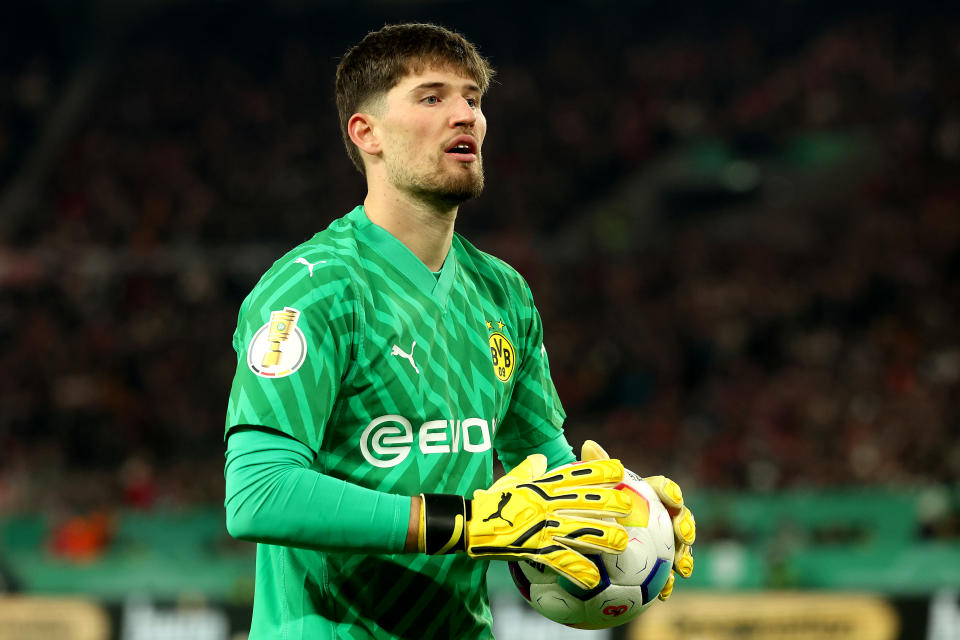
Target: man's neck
[{"x": 422, "y": 228}]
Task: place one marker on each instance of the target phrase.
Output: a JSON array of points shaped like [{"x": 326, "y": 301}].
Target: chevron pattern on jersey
[{"x": 398, "y": 393}]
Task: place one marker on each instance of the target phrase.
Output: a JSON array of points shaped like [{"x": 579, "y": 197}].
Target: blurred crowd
[{"x": 793, "y": 342}]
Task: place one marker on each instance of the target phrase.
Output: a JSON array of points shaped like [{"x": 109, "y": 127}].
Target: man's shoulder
[{"x": 321, "y": 266}]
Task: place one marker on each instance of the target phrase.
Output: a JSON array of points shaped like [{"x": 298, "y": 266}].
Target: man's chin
[{"x": 453, "y": 193}]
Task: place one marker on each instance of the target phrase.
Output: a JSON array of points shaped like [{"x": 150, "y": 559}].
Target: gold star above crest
[
  {"x": 489, "y": 325},
  {"x": 500, "y": 324}
]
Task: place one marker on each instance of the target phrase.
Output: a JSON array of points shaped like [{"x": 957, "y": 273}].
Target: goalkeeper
[{"x": 381, "y": 363}]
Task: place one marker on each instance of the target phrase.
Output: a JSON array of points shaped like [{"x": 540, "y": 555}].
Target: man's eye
[
  {"x": 431, "y": 100},
  {"x": 473, "y": 102}
]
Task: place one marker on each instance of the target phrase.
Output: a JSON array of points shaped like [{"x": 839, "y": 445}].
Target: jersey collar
[{"x": 404, "y": 260}]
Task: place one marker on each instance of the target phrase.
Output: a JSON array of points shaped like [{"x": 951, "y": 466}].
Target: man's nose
[{"x": 463, "y": 113}]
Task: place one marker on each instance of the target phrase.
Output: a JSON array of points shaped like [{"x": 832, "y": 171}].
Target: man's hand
[
  {"x": 551, "y": 518},
  {"x": 684, "y": 526}
]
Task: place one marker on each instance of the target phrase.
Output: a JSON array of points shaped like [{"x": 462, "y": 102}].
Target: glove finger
[
  {"x": 668, "y": 491},
  {"x": 534, "y": 466},
  {"x": 667, "y": 588},
  {"x": 565, "y": 561},
  {"x": 685, "y": 527},
  {"x": 594, "y": 472},
  {"x": 593, "y": 502},
  {"x": 575, "y": 566},
  {"x": 592, "y": 451},
  {"x": 683, "y": 561},
  {"x": 590, "y": 536}
]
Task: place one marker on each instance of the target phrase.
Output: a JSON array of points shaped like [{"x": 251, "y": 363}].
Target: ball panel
[
  {"x": 632, "y": 567},
  {"x": 662, "y": 533},
  {"x": 556, "y": 604},
  {"x": 656, "y": 580},
  {"x": 537, "y": 573},
  {"x": 520, "y": 580},
  {"x": 616, "y": 606}
]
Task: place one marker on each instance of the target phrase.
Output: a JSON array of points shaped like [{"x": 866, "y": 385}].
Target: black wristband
[{"x": 443, "y": 523}]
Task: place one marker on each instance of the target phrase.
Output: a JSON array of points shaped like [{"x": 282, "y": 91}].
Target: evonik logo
[{"x": 388, "y": 440}]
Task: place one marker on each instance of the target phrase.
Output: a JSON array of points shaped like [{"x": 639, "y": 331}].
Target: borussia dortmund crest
[{"x": 503, "y": 354}]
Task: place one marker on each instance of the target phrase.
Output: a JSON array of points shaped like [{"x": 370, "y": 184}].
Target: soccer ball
[{"x": 629, "y": 582}]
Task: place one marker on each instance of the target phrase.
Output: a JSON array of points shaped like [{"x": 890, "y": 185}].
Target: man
[{"x": 381, "y": 362}]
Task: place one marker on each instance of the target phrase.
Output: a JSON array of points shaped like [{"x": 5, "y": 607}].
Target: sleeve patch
[{"x": 278, "y": 348}]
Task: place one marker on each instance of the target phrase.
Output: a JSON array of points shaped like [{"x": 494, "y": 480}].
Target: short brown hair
[{"x": 379, "y": 61}]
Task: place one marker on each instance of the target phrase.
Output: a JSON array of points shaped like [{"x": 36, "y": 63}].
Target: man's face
[{"x": 432, "y": 130}]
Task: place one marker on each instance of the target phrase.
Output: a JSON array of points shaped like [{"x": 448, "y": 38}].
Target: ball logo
[
  {"x": 504, "y": 356},
  {"x": 615, "y": 610},
  {"x": 388, "y": 440},
  {"x": 278, "y": 348}
]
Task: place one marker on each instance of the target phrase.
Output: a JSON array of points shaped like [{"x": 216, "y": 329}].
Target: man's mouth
[{"x": 463, "y": 147}]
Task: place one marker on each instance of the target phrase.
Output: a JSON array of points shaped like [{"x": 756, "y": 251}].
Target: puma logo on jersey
[
  {"x": 504, "y": 499},
  {"x": 308, "y": 265},
  {"x": 397, "y": 351}
]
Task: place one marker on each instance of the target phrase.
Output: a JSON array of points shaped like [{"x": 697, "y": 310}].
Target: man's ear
[{"x": 362, "y": 132}]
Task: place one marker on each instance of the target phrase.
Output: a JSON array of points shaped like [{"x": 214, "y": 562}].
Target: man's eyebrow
[{"x": 440, "y": 85}]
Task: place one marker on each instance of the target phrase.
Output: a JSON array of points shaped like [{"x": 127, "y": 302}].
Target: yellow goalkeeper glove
[
  {"x": 551, "y": 518},
  {"x": 684, "y": 526}
]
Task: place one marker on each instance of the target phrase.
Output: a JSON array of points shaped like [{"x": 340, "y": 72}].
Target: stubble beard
[{"x": 441, "y": 189}]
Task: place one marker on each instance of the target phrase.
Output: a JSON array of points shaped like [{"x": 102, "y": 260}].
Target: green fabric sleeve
[
  {"x": 274, "y": 497},
  {"x": 557, "y": 450}
]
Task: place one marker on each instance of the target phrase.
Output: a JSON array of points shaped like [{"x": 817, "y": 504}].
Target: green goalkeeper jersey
[{"x": 399, "y": 380}]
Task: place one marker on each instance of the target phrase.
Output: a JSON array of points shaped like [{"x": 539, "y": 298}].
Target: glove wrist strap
[{"x": 443, "y": 523}]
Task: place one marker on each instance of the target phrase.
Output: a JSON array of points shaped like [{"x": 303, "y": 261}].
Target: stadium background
[{"x": 741, "y": 224}]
